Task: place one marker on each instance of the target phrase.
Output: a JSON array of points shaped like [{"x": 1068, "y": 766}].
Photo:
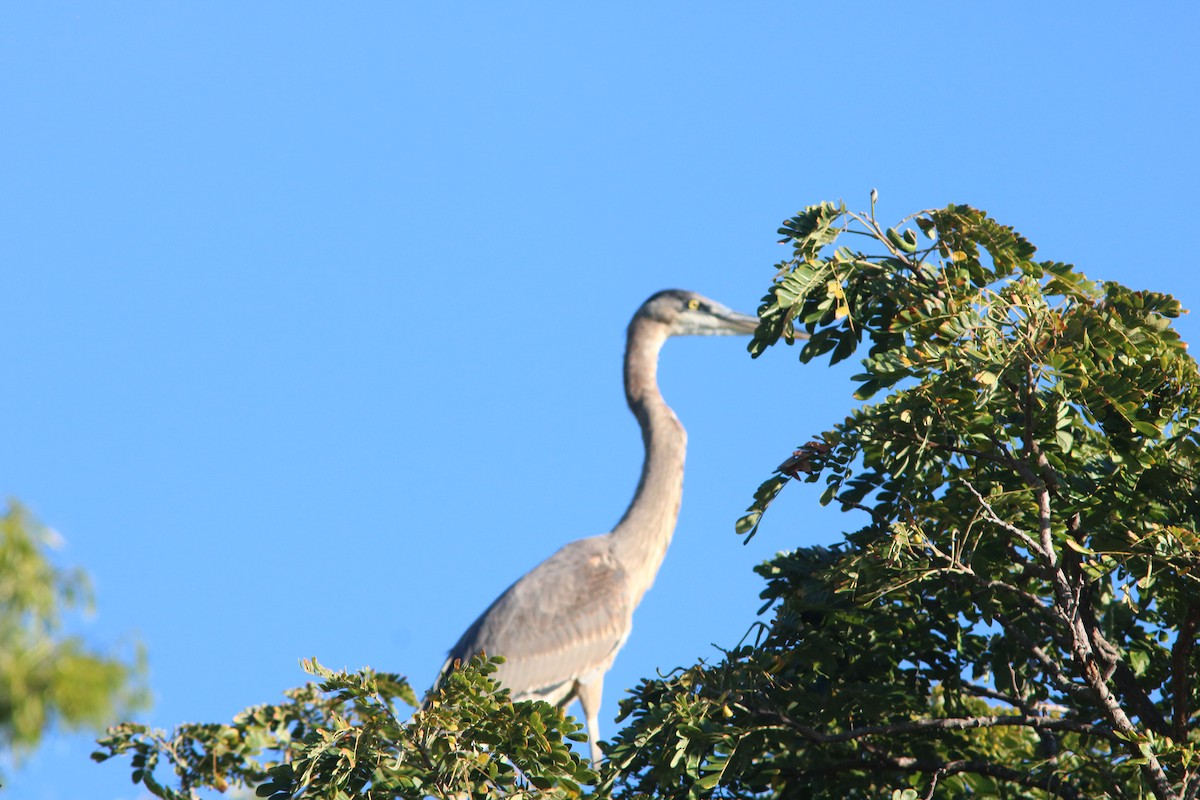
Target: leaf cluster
[
  {"x": 1017, "y": 616},
  {"x": 344, "y": 736}
]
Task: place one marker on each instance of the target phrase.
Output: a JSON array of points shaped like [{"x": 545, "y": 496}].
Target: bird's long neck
[{"x": 640, "y": 539}]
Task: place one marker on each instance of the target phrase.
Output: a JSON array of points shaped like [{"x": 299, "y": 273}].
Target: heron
[{"x": 560, "y": 625}]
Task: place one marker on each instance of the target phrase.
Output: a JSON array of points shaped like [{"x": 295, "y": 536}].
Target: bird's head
[{"x": 690, "y": 314}]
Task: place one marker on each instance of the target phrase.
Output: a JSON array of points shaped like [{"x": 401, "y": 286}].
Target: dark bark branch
[
  {"x": 933, "y": 782},
  {"x": 1061, "y": 679},
  {"x": 1140, "y": 702},
  {"x": 1132, "y": 692},
  {"x": 1143, "y": 706},
  {"x": 982, "y": 455},
  {"x": 992, "y": 694},
  {"x": 1191, "y": 787},
  {"x": 1048, "y": 744},
  {"x": 880, "y": 763},
  {"x": 1068, "y": 601},
  {"x": 1033, "y": 603},
  {"x": 1181, "y": 673},
  {"x": 947, "y": 724}
]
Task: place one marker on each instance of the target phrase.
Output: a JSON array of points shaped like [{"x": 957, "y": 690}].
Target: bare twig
[
  {"x": 1029, "y": 543},
  {"x": 933, "y": 784}
]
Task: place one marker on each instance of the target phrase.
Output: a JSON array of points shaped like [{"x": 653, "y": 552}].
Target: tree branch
[
  {"x": 1126, "y": 682},
  {"x": 1068, "y": 608},
  {"x": 1181, "y": 674},
  {"x": 1061, "y": 679},
  {"x": 1191, "y": 787},
  {"x": 1026, "y": 539},
  {"x": 878, "y": 762},
  {"x": 946, "y": 724}
]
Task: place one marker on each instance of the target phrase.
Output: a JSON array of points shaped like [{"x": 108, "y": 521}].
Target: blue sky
[{"x": 314, "y": 316}]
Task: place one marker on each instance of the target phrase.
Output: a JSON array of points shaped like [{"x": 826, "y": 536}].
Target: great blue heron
[{"x": 560, "y": 625}]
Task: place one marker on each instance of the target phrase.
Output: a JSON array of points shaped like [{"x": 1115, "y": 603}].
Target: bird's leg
[{"x": 589, "y": 698}]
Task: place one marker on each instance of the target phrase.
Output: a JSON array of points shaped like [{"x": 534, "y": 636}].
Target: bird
[{"x": 560, "y": 625}]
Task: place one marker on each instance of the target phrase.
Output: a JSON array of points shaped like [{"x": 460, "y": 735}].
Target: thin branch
[
  {"x": 946, "y": 724},
  {"x": 873, "y": 226},
  {"x": 1025, "y": 538},
  {"x": 1051, "y": 665},
  {"x": 1191, "y": 787},
  {"x": 933, "y": 784},
  {"x": 878, "y": 763},
  {"x": 1031, "y": 600},
  {"x": 992, "y": 694},
  {"x": 1049, "y": 745},
  {"x": 1004, "y": 460}
]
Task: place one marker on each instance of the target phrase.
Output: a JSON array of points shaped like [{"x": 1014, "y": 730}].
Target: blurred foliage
[
  {"x": 344, "y": 736},
  {"x": 1016, "y": 617},
  {"x": 48, "y": 678}
]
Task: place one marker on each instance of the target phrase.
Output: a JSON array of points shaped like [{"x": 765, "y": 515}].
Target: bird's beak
[{"x": 736, "y": 324}]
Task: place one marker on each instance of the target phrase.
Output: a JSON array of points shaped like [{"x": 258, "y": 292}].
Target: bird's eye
[{"x": 693, "y": 304}]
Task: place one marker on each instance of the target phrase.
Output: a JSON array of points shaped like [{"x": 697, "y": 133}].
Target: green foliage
[
  {"x": 343, "y": 736},
  {"x": 47, "y": 677},
  {"x": 1018, "y": 615}
]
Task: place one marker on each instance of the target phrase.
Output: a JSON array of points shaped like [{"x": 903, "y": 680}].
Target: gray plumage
[{"x": 559, "y": 627}]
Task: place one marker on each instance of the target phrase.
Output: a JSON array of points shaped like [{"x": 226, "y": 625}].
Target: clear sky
[{"x": 313, "y": 314}]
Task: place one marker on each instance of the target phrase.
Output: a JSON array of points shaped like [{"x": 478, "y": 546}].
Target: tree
[
  {"x": 46, "y": 677},
  {"x": 1016, "y": 617}
]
